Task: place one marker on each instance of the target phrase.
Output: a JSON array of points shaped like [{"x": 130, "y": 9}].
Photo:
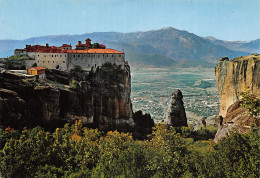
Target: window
[
  {"x": 38, "y": 55},
  {"x": 88, "y": 65},
  {"x": 119, "y": 55},
  {"x": 60, "y": 55},
  {"x": 95, "y": 65},
  {"x": 103, "y": 55},
  {"x": 48, "y": 61},
  {"x": 63, "y": 61},
  {"x": 78, "y": 55},
  {"x": 98, "y": 55},
  {"x": 51, "y": 55},
  {"x": 107, "y": 55},
  {"x": 38, "y": 61},
  {"x": 53, "y": 61},
  {"x": 112, "y": 55},
  {"x": 74, "y": 55},
  {"x": 44, "y": 55},
  {"x": 42, "y": 61},
  {"x": 65, "y": 55}
]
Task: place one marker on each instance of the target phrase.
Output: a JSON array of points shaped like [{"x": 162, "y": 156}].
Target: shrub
[
  {"x": 77, "y": 68},
  {"x": 74, "y": 84},
  {"x": 34, "y": 64},
  {"x": 251, "y": 102}
]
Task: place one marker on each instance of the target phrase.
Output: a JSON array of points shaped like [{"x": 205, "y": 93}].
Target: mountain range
[{"x": 163, "y": 47}]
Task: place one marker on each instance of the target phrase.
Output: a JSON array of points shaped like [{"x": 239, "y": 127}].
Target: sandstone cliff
[
  {"x": 175, "y": 114},
  {"x": 235, "y": 76},
  {"x": 100, "y": 98}
]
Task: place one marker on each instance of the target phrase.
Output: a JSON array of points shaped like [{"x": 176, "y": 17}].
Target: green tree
[{"x": 95, "y": 45}]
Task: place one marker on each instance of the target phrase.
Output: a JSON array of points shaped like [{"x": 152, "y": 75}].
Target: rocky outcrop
[
  {"x": 214, "y": 120},
  {"x": 235, "y": 76},
  {"x": 175, "y": 114},
  {"x": 143, "y": 124},
  {"x": 237, "y": 119},
  {"x": 100, "y": 98}
]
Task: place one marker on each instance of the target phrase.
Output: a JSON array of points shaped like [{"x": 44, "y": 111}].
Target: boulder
[{"x": 237, "y": 120}]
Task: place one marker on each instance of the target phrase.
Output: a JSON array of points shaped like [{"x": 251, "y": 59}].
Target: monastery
[{"x": 88, "y": 56}]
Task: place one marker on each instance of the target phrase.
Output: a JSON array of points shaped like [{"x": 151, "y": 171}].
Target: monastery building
[{"x": 88, "y": 56}]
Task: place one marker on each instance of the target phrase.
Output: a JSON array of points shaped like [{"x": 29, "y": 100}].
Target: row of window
[
  {"x": 49, "y": 61},
  {"x": 89, "y": 55},
  {"x": 53, "y": 55}
]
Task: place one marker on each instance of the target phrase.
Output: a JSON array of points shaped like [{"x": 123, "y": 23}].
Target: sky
[{"x": 236, "y": 20}]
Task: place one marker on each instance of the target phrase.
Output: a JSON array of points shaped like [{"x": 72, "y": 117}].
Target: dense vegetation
[{"x": 77, "y": 151}]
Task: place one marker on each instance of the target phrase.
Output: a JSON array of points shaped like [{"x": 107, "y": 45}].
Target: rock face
[
  {"x": 175, "y": 114},
  {"x": 237, "y": 119},
  {"x": 143, "y": 124},
  {"x": 235, "y": 76},
  {"x": 101, "y": 99}
]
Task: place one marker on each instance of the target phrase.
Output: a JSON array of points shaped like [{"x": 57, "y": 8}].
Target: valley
[{"x": 152, "y": 87}]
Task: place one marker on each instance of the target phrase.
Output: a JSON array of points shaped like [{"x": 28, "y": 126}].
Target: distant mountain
[
  {"x": 250, "y": 47},
  {"x": 163, "y": 47}
]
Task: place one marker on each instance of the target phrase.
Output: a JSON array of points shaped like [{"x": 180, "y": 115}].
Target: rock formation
[
  {"x": 239, "y": 74},
  {"x": 143, "y": 124},
  {"x": 214, "y": 120},
  {"x": 175, "y": 114},
  {"x": 100, "y": 98},
  {"x": 237, "y": 119}
]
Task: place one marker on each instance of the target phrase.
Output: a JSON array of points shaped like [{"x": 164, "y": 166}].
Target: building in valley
[{"x": 88, "y": 56}]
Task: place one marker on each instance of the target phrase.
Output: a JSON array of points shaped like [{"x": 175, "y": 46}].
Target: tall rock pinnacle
[{"x": 175, "y": 114}]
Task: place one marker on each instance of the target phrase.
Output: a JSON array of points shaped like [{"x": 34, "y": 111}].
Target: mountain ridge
[{"x": 168, "y": 42}]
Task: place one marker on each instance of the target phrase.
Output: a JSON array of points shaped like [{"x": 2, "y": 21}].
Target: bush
[
  {"x": 251, "y": 102},
  {"x": 77, "y": 68},
  {"x": 74, "y": 84}
]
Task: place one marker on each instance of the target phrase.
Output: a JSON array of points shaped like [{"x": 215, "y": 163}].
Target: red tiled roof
[
  {"x": 44, "y": 49},
  {"x": 100, "y": 51},
  {"x": 37, "y": 68},
  {"x": 104, "y": 51},
  {"x": 102, "y": 46},
  {"x": 74, "y": 51},
  {"x": 66, "y": 45}
]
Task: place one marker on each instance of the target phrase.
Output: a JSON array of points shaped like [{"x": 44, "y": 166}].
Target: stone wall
[
  {"x": 89, "y": 61},
  {"x": 52, "y": 60},
  {"x": 20, "y": 53},
  {"x": 67, "y": 61}
]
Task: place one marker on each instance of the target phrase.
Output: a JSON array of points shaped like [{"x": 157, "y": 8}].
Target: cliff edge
[
  {"x": 100, "y": 98},
  {"x": 237, "y": 75}
]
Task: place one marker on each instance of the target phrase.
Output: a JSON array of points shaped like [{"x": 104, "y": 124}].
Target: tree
[{"x": 95, "y": 45}]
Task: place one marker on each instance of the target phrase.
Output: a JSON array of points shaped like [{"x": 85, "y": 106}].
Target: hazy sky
[{"x": 223, "y": 19}]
